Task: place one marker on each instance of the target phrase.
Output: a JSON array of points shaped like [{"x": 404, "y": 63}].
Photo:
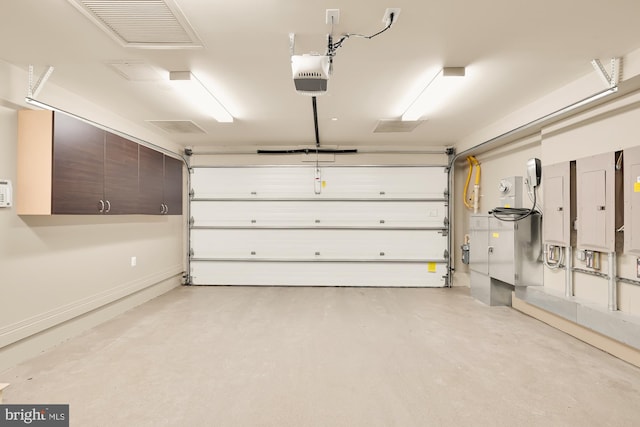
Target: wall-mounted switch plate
[{"x": 134, "y": 261}]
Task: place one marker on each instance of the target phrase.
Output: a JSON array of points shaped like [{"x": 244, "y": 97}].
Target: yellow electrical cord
[{"x": 472, "y": 162}]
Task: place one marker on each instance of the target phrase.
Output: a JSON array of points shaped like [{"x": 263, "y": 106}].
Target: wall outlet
[
  {"x": 333, "y": 16},
  {"x": 134, "y": 261},
  {"x": 386, "y": 18}
]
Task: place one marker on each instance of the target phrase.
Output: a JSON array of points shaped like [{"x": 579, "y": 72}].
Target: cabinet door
[
  {"x": 151, "y": 171},
  {"x": 173, "y": 185},
  {"x": 78, "y": 166},
  {"x": 120, "y": 175}
]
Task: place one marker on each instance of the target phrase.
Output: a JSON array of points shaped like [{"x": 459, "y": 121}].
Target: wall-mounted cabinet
[
  {"x": 67, "y": 166},
  {"x": 160, "y": 183},
  {"x": 559, "y": 204},
  {"x": 632, "y": 201},
  {"x": 599, "y": 198}
]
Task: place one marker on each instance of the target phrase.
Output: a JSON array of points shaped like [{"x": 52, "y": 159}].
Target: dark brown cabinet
[
  {"x": 151, "y": 182},
  {"x": 78, "y": 167},
  {"x": 172, "y": 186},
  {"x": 67, "y": 166},
  {"x": 160, "y": 183},
  {"x": 94, "y": 171},
  {"x": 120, "y": 175}
]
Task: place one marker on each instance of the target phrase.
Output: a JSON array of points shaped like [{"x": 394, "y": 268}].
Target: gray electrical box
[
  {"x": 509, "y": 251},
  {"x": 599, "y": 210},
  {"x": 559, "y": 204},
  {"x": 515, "y": 251},
  {"x": 632, "y": 201},
  {"x": 510, "y": 189},
  {"x": 479, "y": 244}
]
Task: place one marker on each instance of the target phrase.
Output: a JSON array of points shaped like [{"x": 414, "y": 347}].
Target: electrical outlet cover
[{"x": 387, "y": 15}]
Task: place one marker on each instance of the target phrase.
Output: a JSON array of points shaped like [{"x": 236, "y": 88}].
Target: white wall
[
  {"x": 60, "y": 275},
  {"x": 610, "y": 126}
]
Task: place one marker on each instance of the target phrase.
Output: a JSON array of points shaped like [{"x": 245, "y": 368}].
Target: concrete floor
[{"x": 257, "y": 356}]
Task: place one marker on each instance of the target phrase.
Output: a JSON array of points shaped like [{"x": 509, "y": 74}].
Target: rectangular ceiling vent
[
  {"x": 177, "y": 126},
  {"x": 396, "y": 126},
  {"x": 148, "y": 24},
  {"x": 136, "y": 71}
]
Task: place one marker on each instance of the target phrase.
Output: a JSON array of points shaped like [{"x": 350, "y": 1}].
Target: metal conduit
[
  {"x": 568, "y": 284},
  {"x": 613, "y": 286}
]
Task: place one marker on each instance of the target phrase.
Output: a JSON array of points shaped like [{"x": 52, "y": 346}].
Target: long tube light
[
  {"x": 199, "y": 95},
  {"x": 434, "y": 93}
]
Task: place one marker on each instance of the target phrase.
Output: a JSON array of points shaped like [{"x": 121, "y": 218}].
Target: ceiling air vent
[
  {"x": 141, "y": 23},
  {"x": 177, "y": 126},
  {"x": 396, "y": 126}
]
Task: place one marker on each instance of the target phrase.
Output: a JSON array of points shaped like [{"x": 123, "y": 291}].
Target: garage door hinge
[
  {"x": 446, "y": 254},
  {"x": 192, "y": 193},
  {"x": 446, "y": 194},
  {"x": 191, "y": 221},
  {"x": 446, "y": 221},
  {"x": 191, "y": 253}
]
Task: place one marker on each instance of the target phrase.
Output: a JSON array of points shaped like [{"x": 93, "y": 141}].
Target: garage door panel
[
  {"x": 318, "y": 243},
  {"x": 318, "y": 274},
  {"x": 313, "y": 213},
  {"x": 253, "y": 182},
  {"x": 368, "y": 226},
  {"x": 337, "y": 182}
]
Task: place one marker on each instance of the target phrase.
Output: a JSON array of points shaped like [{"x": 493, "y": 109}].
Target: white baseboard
[{"x": 611, "y": 346}]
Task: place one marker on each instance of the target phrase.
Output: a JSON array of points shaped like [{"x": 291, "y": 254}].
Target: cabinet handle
[
  {"x": 108, "y": 207},
  {"x": 101, "y": 206}
]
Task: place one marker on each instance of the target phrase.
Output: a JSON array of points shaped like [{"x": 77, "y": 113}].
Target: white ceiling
[{"x": 515, "y": 51}]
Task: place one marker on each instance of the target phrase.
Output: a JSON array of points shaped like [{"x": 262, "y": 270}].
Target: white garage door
[{"x": 341, "y": 226}]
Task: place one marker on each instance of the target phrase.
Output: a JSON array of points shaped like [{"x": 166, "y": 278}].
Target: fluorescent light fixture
[
  {"x": 434, "y": 93},
  {"x": 199, "y": 95}
]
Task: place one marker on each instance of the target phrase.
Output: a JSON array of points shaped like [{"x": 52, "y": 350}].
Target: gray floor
[{"x": 247, "y": 356}]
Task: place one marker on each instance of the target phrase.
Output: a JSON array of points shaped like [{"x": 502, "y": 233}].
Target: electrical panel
[
  {"x": 632, "y": 201},
  {"x": 515, "y": 248},
  {"x": 507, "y": 250},
  {"x": 598, "y": 203},
  {"x": 559, "y": 204}
]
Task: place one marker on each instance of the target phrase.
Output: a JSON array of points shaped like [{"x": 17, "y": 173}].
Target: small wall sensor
[{"x": 6, "y": 193}]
